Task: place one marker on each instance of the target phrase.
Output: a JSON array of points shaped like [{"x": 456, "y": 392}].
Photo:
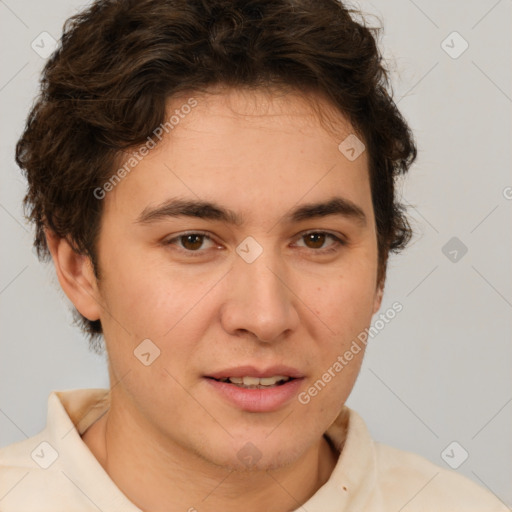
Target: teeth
[
  {"x": 251, "y": 381},
  {"x": 255, "y": 381},
  {"x": 270, "y": 381}
]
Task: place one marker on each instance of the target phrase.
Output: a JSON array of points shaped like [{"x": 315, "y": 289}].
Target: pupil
[
  {"x": 317, "y": 239},
  {"x": 189, "y": 241}
]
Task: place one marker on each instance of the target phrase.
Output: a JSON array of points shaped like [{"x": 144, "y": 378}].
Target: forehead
[
  {"x": 272, "y": 106},
  {"x": 246, "y": 148}
]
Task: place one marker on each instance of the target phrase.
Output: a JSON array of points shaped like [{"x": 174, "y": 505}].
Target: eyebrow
[{"x": 176, "y": 207}]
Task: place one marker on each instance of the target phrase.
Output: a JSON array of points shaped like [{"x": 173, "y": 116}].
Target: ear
[
  {"x": 76, "y": 276},
  {"x": 377, "y": 300}
]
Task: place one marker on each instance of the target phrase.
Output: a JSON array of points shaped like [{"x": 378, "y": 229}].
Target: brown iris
[
  {"x": 317, "y": 239},
  {"x": 193, "y": 241}
]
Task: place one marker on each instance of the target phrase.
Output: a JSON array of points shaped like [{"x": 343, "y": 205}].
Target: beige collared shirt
[{"x": 55, "y": 471}]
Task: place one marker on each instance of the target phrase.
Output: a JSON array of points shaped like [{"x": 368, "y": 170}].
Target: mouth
[
  {"x": 248, "y": 382},
  {"x": 257, "y": 390}
]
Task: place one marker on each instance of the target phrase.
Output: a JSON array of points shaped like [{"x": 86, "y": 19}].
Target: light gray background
[{"x": 440, "y": 371}]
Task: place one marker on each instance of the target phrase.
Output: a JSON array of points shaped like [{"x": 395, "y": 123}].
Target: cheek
[
  {"x": 155, "y": 301},
  {"x": 344, "y": 303}
]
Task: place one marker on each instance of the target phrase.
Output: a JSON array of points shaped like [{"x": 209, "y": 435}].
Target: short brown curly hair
[{"x": 105, "y": 90}]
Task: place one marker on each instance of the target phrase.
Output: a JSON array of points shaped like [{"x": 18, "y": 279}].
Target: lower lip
[{"x": 257, "y": 400}]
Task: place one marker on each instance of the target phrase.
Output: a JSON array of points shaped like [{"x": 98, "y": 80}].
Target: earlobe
[
  {"x": 76, "y": 276},
  {"x": 377, "y": 301}
]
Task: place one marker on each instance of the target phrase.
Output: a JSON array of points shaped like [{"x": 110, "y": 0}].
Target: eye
[
  {"x": 191, "y": 242},
  {"x": 315, "y": 240}
]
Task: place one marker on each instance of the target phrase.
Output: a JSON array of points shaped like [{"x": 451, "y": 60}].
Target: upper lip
[{"x": 252, "y": 371}]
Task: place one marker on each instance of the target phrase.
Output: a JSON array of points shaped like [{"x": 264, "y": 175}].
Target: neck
[{"x": 173, "y": 479}]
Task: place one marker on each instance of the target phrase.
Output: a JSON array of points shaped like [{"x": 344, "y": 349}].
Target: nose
[{"x": 260, "y": 300}]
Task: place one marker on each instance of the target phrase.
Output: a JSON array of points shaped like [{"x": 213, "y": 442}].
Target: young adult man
[{"x": 214, "y": 181}]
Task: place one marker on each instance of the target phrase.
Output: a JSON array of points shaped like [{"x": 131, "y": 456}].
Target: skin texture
[{"x": 169, "y": 441}]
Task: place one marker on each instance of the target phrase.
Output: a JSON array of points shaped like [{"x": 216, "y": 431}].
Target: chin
[{"x": 257, "y": 456}]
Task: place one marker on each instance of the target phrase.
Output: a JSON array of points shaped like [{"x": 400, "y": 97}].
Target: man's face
[{"x": 215, "y": 296}]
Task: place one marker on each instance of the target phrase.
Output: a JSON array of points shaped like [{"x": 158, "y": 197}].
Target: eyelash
[{"x": 334, "y": 247}]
